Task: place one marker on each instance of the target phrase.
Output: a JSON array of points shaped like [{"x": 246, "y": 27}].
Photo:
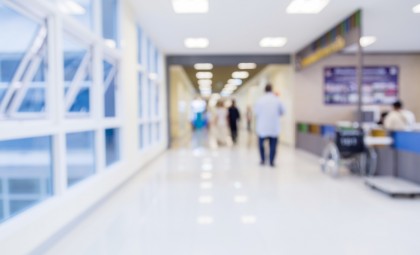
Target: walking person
[
  {"x": 234, "y": 116},
  {"x": 268, "y": 111},
  {"x": 220, "y": 123}
]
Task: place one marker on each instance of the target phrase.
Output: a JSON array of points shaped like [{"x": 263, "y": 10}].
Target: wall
[
  {"x": 37, "y": 226},
  {"x": 181, "y": 96},
  {"x": 282, "y": 79},
  {"x": 309, "y": 85}
]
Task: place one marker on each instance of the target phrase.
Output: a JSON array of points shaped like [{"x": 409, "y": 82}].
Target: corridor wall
[
  {"x": 309, "y": 83},
  {"x": 65, "y": 154}
]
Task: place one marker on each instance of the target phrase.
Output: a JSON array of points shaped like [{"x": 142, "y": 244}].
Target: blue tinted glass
[
  {"x": 141, "y": 136},
  {"x": 140, "y": 95},
  {"x": 140, "y": 45},
  {"x": 112, "y": 142},
  {"x": 80, "y": 156},
  {"x": 150, "y": 134},
  {"x": 23, "y": 59},
  {"x": 157, "y": 100},
  {"x": 110, "y": 20},
  {"x": 157, "y": 132},
  {"x": 110, "y": 75},
  {"x": 26, "y": 170},
  {"x": 149, "y": 97},
  {"x": 77, "y": 75}
]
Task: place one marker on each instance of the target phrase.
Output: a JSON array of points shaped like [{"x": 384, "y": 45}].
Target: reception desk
[{"x": 401, "y": 160}]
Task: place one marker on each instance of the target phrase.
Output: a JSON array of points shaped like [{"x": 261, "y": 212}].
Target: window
[
  {"x": 77, "y": 77},
  {"x": 139, "y": 46},
  {"x": 109, "y": 22},
  {"x": 140, "y": 95},
  {"x": 141, "y": 137},
  {"x": 112, "y": 142},
  {"x": 80, "y": 156},
  {"x": 23, "y": 65},
  {"x": 110, "y": 87},
  {"x": 81, "y": 10},
  {"x": 25, "y": 174}
]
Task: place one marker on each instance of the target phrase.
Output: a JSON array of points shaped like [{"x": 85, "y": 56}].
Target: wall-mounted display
[{"x": 380, "y": 85}]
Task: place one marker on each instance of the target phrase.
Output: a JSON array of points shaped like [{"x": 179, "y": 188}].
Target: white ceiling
[{"x": 237, "y": 26}]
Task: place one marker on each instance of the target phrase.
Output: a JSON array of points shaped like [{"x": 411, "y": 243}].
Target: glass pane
[
  {"x": 140, "y": 95},
  {"x": 110, "y": 21},
  {"x": 110, "y": 75},
  {"x": 77, "y": 76},
  {"x": 149, "y": 97},
  {"x": 80, "y": 156},
  {"x": 140, "y": 45},
  {"x": 157, "y": 100},
  {"x": 150, "y": 134},
  {"x": 81, "y": 10},
  {"x": 25, "y": 174},
  {"x": 157, "y": 132},
  {"x": 23, "y": 64},
  {"x": 112, "y": 141},
  {"x": 141, "y": 136}
]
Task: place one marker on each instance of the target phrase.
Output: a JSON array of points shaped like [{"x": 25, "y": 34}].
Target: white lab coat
[
  {"x": 268, "y": 111},
  {"x": 399, "y": 120}
]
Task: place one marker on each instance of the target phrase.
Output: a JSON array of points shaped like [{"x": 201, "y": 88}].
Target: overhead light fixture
[
  {"x": 190, "y": 6},
  {"x": 273, "y": 42},
  {"x": 71, "y": 7},
  {"x": 306, "y": 6},
  {"x": 240, "y": 75},
  {"x": 236, "y": 82},
  {"x": 205, "y": 220},
  {"x": 204, "y": 75},
  {"x": 111, "y": 43},
  {"x": 416, "y": 9},
  {"x": 366, "y": 41},
  {"x": 197, "y": 43},
  {"x": 249, "y": 219},
  {"x": 247, "y": 66},
  {"x": 205, "y": 199},
  {"x": 203, "y": 66},
  {"x": 205, "y": 82}
]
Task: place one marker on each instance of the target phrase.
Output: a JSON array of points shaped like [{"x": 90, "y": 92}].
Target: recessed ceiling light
[
  {"x": 240, "y": 199},
  {"x": 306, "y": 6},
  {"x": 190, "y": 6},
  {"x": 205, "y": 82},
  {"x": 111, "y": 43},
  {"x": 273, "y": 42},
  {"x": 71, "y": 7},
  {"x": 205, "y": 199},
  {"x": 247, "y": 66},
  {"x": 196, "y": 43},
  {"x": 240, "y": 75},
  {"x": 236, "y": 82},
  {"x": 416, "y": 9},
  {"x": 206, "y": 185},
  {"x": 203, "y": 66},
  {"x": 204, "y": 75},
  {"x": 249, "y": 219},
  {"x": 366, "y": 41},
  {"x": 205, "y": 220}
]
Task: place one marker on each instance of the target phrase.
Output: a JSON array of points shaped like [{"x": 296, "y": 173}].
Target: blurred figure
[
  {"x": 268, "y": 111},
  {"x": 249, "y": 119},
  {"x": 234, "y": 117},
  {"x": 221, "y": 123},
  {"x": 399, "y": 118}
]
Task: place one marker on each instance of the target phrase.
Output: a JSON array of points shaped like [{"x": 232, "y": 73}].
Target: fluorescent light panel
[
  {"x": 190, "y": 6},
  {"x": 205, "y": 82},
  {"x": 273, "y": 42},
  {"x": 247, "y": 66},
  {"x": 236, "y": 82},
  {"x": 306, "y": 6},
  {"x": 416, "y": 9},
  {"x": 240, "y": 75},
  {"x": 203, "y": 66},
  {"x": 197, "y": 43},
  {"x": 366, "y": 41},
  {"x": 204, "y": 75}
]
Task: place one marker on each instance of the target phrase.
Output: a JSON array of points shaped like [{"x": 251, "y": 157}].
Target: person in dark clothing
[{"x": 234, "y": 117}]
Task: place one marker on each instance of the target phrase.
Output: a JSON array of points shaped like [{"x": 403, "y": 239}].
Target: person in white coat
[
  {"x": 399, "y": 118},
  {"x": 268, "y": 111}
]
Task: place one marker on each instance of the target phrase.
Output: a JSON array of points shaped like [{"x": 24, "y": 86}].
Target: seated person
[{"x": 399, "y": 118}]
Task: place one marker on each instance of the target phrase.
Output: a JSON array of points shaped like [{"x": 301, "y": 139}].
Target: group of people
[{"x": 267, "y": 113}]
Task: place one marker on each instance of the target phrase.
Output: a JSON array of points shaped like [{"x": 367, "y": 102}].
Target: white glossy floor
[{"x": 220, "y": 202}]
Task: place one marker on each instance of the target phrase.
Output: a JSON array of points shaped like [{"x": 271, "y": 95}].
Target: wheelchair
[{"x": 347, "y": 148}]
